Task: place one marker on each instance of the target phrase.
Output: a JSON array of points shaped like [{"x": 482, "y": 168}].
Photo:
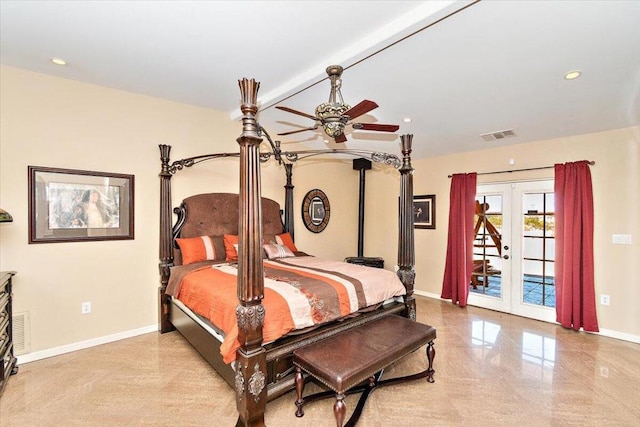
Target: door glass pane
[
  {"x": 549, "y": 202},
  {"x": 487, "y": 246},
  {"x": 550, "y": 249},
  {"x": 550, "y": 225},
  {"x": 533, "y": 203},
  {"x": 538, "y": 284}
]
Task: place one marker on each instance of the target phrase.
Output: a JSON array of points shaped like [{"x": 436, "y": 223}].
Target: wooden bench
[{"x": 348, "y": 359}]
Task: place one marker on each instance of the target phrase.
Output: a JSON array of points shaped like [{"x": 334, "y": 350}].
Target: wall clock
[{"x": 315, "y": 211}]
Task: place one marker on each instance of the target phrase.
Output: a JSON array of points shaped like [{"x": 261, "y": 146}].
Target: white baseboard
[
  {"x": 56, "y": 351},
  {"x": 619, "y": 335},
  {"x": 427, "y": 294},
  {"x": 604, "y": 332}
]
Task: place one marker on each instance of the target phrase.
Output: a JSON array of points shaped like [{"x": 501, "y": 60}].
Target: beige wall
[
  {"x": 48, "y": 121},
  {"x": 339, "y": 182},
  {"x": 616, "y": 187}
]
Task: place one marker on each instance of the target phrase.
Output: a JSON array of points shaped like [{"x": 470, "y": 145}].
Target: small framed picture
[
  {"x": 67, "y": 205},
  {"x": 424, "y": 211}
]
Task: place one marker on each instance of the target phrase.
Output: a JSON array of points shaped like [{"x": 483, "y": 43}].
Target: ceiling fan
[{"x": 335, "y": 115}]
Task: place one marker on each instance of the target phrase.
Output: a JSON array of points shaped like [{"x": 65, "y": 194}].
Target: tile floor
[{"x": 492, "y": 369}]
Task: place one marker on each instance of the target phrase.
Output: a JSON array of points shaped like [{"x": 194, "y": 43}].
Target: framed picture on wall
[
  {"x": 424, "y": 211},
  {"x": 315, "y": 210},
  {"x": 67, "y": 205}
]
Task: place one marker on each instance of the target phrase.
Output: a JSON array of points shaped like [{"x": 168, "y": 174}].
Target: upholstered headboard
[{"x": 216, "y": 214}]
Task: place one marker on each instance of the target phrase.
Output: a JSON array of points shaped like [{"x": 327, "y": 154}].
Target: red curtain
[
  {"x": 575, "y": 289},
  {"x": 459, "y": 264}
]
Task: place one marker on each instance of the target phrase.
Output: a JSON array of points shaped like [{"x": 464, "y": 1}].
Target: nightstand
[
  {"x": 7, "y": 359},
  {"x": 367, "y": 261}
]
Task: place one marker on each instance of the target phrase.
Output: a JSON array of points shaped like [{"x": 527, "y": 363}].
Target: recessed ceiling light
[
  {"x": 58, "y": 61},
  {"x": 407, "y": 119},
  {"x": 572, "y": 75}
]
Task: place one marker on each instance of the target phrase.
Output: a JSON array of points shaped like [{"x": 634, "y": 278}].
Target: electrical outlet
[
  {"x": 85, "y": 307},
  {"x": 604, "y": 299}
]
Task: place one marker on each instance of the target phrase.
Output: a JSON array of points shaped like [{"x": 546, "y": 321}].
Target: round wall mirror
[{"x": 315, "y": 211}]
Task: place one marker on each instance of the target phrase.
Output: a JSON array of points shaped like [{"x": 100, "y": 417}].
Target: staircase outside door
[{"x": 514, "y": 249}]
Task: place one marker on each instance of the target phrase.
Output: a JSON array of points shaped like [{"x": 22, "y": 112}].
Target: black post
[{"x": 361, "y": 165}]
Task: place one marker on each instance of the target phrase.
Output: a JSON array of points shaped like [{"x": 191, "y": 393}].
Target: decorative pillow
[
  {"x": 268, "y": 238},
  {"x": 286, "y": 240},
  {"x": 231, "y": 246},
  {"x": 277, "y": 251},
  {"x": 203, "y": 248}
]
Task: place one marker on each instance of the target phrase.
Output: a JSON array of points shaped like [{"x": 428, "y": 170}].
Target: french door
[{"x": 514, "y": 249}]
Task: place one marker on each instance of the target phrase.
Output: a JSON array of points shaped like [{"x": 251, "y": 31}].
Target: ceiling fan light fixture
[
  {"x": 333, "y": 129},
  {"x": 332, "y": 115}
]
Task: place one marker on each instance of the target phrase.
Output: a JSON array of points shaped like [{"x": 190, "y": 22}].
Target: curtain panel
[
  {"x": 575, "y": 288},
  {"x": 459, "y": 262}
]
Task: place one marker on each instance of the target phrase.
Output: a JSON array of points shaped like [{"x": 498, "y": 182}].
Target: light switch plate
[{"x": 621, "y": 239}]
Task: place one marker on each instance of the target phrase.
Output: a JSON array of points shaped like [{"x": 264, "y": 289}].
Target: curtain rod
[{"x": 591, "y": 162}]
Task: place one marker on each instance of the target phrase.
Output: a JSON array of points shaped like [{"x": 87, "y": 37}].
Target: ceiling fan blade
[
  {"x": 300, "y": 113},
  {"x": 299, "y": 130},
  {"x": 341, "y": 138},
  {"x": 362, "y": 108},
  {"x": 375, "y": 126}
]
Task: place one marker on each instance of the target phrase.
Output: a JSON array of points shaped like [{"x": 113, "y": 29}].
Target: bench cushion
[{"x": 345, "y": 360}]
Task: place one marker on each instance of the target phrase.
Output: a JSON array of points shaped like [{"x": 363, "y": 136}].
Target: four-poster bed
[{"x": 262, "y": 370}]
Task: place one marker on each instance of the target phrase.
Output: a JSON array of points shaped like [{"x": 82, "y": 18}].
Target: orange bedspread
[{"x": 295, "y": 296}]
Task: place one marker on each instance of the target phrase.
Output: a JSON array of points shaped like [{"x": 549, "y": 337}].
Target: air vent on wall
[
  {"x": 21, "y": 333},
  {"x": 502, "y": 134}
]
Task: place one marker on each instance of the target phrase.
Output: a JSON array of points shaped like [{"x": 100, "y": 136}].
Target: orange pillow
[
  {"x": 286, "y": 240},
  {"x": 231, "y": 246},
  {"x": 196, "y": 249}
]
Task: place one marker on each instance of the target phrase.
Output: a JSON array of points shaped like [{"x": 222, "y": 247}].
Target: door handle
[{"x": 506, "y": 257}]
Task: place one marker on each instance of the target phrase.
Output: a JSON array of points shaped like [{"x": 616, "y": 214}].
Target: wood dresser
[{"x": 7, "y": 359}]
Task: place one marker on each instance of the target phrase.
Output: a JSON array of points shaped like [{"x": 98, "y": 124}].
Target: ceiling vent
[{"x": 502, "y": 134}]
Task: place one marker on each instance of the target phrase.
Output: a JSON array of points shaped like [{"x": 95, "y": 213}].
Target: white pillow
[{"x": 277, "y": 251}]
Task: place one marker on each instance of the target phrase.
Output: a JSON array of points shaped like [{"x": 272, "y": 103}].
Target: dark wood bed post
[
  {"x": 406, "y": 247},
  {"x": 166, "y": 250},
  {"x": 288, "y": 201},
  {"x": 251, "y": 360}
]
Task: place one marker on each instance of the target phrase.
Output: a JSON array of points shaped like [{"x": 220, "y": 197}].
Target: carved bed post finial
[
  {"x": 406, "y": 247},
  {"x": 251, "y": 361},
  {"x": 249, "y": 108},
  {"x": 288, "y": 201},
  {"x": 166, "y": 250}
]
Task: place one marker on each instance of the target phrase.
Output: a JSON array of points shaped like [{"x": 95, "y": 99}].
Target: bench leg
[
  {"x": 431, "y": 354},
  {"x": 339, "y": 409},
  {"x": 299, "y": 380}
]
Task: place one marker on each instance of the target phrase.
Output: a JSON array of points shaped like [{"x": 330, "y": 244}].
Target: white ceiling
[{"x": 491, "y": 66}]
